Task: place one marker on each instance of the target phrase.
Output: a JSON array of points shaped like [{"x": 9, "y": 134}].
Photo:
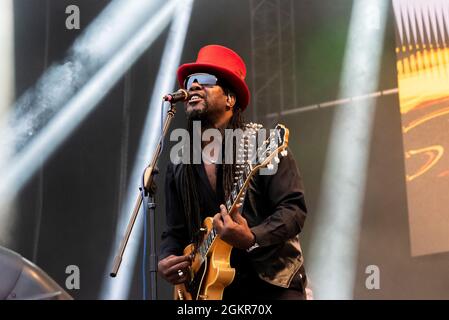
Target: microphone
[{"x": 180, "y": 95}]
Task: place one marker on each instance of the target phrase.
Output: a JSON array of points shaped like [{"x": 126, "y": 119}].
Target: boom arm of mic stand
[{"x": 148, "y": 181}]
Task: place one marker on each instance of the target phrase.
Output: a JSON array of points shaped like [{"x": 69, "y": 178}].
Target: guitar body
[{"x": 209, "y": 276}]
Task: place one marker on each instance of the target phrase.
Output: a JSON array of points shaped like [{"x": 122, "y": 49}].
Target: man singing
[{"x": 264, "y": 232}]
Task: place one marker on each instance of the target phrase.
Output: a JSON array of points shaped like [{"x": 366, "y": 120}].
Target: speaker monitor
[{"x": 20, "y": 279}]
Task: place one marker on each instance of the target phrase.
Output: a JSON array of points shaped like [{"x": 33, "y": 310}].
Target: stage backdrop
[{"x": 422, "y": 29}]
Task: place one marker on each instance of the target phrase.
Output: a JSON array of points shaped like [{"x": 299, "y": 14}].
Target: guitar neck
[
  {"x": 266, "y": 154},
  {"x": 236, "y": 195}
]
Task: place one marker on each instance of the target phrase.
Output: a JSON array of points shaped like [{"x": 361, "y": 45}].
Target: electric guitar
[{"x": 211, "y": 271}]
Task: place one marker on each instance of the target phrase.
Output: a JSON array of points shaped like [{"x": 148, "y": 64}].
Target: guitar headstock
[
  {"x": 253, "y": 156},
  {"x": 273, "y": 147}
]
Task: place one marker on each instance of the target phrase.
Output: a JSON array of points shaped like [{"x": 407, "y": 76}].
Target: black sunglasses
[{"x": 203, "y": 79}]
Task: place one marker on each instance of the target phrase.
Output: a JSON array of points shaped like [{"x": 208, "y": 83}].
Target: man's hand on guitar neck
[
  {"x": 233, "y": 228},
  {"x": 175, "y": 269}
]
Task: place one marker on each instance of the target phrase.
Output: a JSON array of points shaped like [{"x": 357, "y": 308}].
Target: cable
[
  {"x": 144, "y": 256},
  {"x": 162, "y": 124}
]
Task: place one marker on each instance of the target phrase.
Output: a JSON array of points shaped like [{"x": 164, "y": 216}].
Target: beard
[
  {"x": 202, "y": 115},
  {"x": 197, "y": 114}
]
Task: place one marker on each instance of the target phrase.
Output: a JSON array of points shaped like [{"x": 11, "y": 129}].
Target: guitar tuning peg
[
  {"x": 284, "y": 152},
  {"x": 276, "y": 159},
  {"x": 270, "y": 166}
]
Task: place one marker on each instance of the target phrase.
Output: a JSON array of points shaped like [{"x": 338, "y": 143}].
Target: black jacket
[{"x": 274, "y": 207}]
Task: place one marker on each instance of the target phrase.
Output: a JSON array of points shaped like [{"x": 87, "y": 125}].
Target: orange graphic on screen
[{"x": 423, "y": 80}]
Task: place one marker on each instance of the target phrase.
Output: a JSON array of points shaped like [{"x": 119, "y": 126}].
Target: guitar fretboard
[
  {"x": 244, "y": 172},
  {"x": 246, "y": 157}
]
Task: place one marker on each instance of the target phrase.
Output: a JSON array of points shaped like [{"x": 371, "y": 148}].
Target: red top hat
[{"x": 224, "y": 64}]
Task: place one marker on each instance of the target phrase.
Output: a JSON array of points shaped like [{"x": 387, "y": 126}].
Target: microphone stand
[{"x": 148, "y": 185}]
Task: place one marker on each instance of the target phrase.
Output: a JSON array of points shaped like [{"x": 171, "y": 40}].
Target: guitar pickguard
[{"x": 194, "y": 286}]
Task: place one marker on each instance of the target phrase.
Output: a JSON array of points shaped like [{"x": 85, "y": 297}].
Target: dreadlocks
[{"x": 190, "y": 195}]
